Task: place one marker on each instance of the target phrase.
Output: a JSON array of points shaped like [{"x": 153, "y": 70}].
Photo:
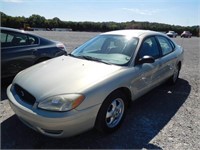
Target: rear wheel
[
  {"x": 175, "y": 76},
  {"x": 111, "y": 113}
]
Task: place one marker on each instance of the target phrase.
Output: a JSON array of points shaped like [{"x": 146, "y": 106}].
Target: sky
[{"x": 174, "y": 12}]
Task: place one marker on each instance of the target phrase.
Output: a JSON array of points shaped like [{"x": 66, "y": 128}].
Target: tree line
[{"x": 37, "y": 21}]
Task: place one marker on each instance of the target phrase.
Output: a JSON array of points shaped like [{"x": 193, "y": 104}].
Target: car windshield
[{"x": 110, "y": 49}]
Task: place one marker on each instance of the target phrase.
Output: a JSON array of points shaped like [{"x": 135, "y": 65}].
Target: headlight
[{"x": 62, "y": 102}]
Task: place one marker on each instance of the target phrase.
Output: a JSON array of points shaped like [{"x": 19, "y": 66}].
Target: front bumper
[{"x": 54, "y": 124}]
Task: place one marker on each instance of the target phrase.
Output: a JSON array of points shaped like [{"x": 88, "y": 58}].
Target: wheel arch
[
  {"x": 126, "y": 91},
  {"x": 98, "y": 120},
  {"x": 179, "y": 64}
]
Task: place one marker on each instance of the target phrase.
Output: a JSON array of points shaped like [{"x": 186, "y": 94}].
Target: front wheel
[{"x": 111, "y": 113}]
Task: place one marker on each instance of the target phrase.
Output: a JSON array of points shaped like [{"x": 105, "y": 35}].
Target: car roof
[
  {"x": 17, "y": 30},
  {"x": 132, "y": 32},
  {"x": 28, "y": 33}
]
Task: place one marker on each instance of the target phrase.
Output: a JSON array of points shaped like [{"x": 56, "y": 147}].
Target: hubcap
[{"x": 115, "y": 112}]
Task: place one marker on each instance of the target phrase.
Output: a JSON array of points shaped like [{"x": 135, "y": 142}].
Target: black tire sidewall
[{"x": 171, "y": 81}]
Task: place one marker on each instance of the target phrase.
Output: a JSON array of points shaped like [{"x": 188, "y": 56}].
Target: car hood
[{"x": 63, "y": 75}]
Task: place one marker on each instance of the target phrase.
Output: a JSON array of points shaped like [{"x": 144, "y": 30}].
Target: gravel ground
[
  {"x": 70, "y": 39},
  {"x": 165, "y": 118}
]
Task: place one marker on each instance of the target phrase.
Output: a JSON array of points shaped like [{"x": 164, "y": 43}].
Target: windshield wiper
[
  {"x": 90, "y": 58},
  {"x": 96, "y": 59},
  {"x": 93, "y": 59}
]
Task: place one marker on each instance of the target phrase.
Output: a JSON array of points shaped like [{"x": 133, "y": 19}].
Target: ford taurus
[{"x": 92, "y": 86}]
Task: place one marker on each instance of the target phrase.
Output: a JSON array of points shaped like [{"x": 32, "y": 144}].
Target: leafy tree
[
  {"x": 36, "y": 21},
  {"x": 41, "y": 22}
]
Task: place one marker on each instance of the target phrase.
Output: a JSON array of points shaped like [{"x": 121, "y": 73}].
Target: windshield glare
[{"x": 112, "y": 49}]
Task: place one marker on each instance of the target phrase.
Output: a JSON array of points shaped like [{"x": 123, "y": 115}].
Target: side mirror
[{"x": 146, "y": 59}]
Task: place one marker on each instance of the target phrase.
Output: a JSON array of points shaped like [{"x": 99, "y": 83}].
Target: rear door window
[
  {"x": 165, "y": 45},
  {"x": 19, "y": 39},
  {"x": 13, "y": 39},
  {"x": 32, "y": 40}
]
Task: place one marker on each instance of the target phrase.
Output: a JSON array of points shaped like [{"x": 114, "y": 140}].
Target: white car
[
  {"x": 172, "y": 34},
  {"x": 93, "y": 86}
]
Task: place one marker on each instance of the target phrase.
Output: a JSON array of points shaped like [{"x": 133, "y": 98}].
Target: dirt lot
[{"x": 166, "y": 118}]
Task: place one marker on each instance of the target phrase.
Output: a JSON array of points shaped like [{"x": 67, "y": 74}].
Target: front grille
[{"x": 24, "y": 95}]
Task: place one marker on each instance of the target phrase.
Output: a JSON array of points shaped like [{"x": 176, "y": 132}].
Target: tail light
[{"x": 61, "y": 46}]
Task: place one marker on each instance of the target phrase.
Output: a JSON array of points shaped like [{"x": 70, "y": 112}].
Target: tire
[
  {"x": 173, "y": 79},
  {"x": 112, "y": 112}
]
